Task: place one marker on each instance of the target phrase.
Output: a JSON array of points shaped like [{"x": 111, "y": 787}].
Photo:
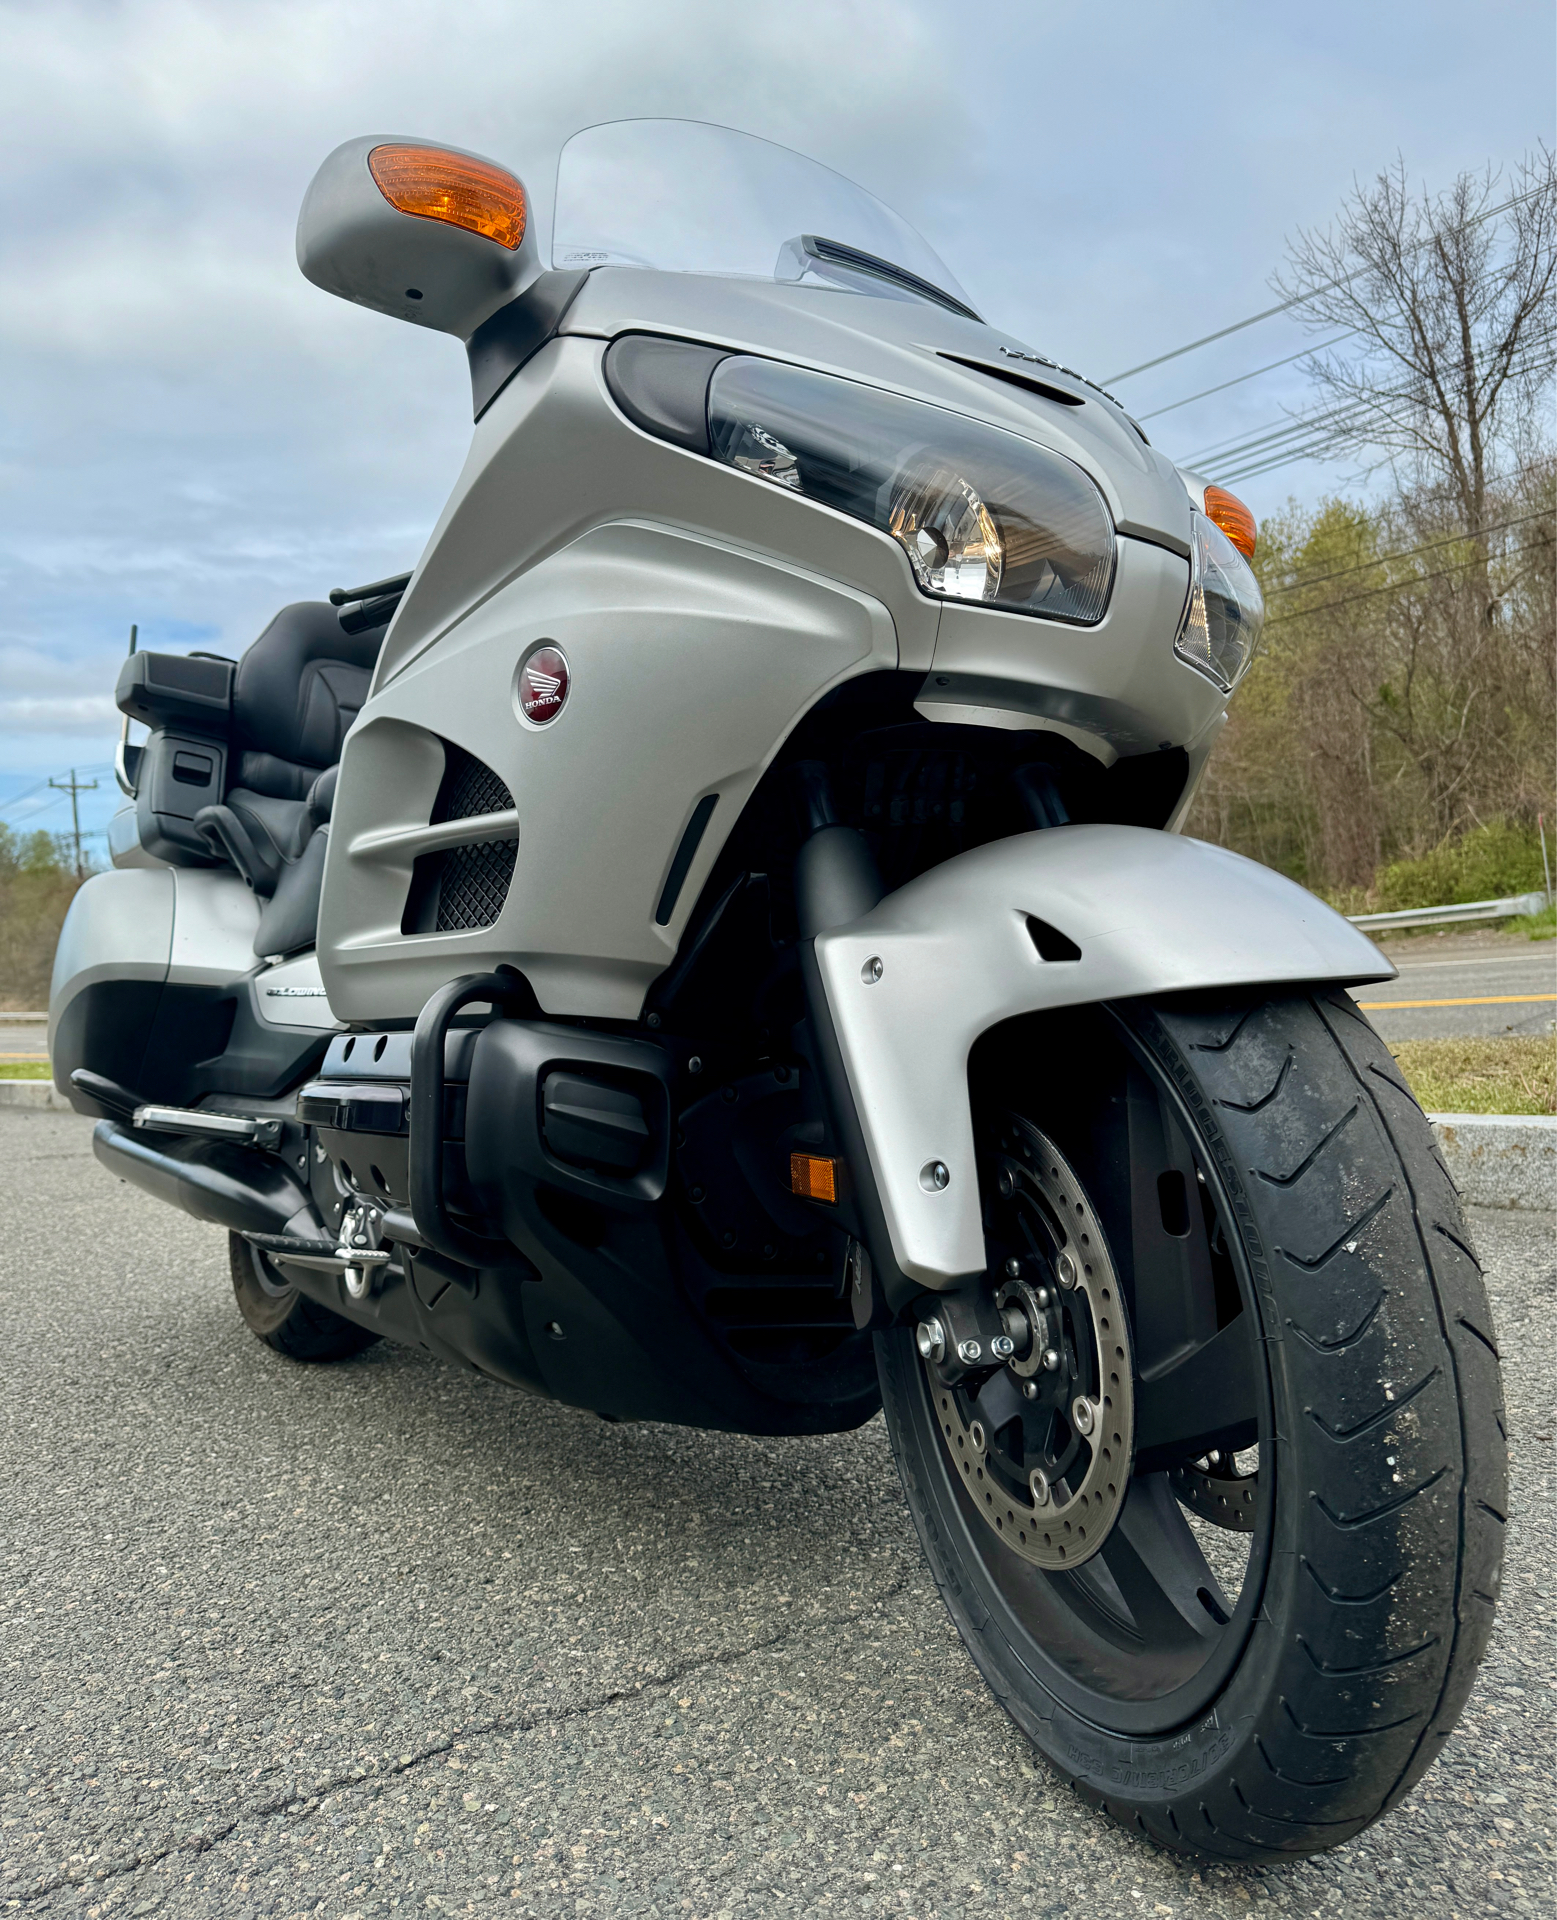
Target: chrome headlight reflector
[
  {"x": 1225, "y": 611},
  {"x": 982, "y": 514}
]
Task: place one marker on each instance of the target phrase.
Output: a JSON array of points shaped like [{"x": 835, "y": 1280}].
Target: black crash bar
[{"x": 231, "y": 1186}]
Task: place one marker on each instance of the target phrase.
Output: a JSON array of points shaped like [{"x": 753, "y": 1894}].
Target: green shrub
[
  {"x": 37, "y": 885},
  {"x": 1488, "y": 863}
]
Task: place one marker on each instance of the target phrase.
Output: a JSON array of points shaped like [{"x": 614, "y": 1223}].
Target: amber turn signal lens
[
  {"x": 813, "y": 1178},
  {"x": 436, "y": 185},
  {"x": 1234, "y": 518}
]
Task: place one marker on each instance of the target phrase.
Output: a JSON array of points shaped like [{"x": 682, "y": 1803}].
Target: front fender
[{"x": 1151, "y": 913}]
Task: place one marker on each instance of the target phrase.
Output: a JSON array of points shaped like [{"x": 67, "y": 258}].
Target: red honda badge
[{"x": 543, "y": 685}]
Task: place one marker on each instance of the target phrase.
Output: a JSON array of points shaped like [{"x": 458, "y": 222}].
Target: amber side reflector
[
  {"x": 1234, "y": 518},
  {"x": 436, "y": 185},
  {"x": 813, "y": 1178}
]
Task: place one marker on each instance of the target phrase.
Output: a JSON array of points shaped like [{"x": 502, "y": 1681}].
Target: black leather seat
[{"x": 296, "y": 691}]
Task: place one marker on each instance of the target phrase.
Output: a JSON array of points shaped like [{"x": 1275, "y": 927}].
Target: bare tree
[{"x": 1447, "y": 303}]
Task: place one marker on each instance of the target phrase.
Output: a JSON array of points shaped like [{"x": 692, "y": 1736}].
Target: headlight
[
  {"x": 1225, "y": 610},
  {"x": 982, "y": 514}
]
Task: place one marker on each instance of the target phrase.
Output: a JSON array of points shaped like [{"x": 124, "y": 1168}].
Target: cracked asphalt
[{"x": 382, "y": 1637}]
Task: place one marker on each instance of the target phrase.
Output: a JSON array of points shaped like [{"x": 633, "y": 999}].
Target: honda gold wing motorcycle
[{"x": 714, "y": 944}]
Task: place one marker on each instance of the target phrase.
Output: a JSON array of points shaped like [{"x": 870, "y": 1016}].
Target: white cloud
[{"x": 190, "y": 435}]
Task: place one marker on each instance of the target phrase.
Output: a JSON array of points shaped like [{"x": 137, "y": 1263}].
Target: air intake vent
[
  {"x": 469, "y": 788},
  {"x": 460, "y": 889}
]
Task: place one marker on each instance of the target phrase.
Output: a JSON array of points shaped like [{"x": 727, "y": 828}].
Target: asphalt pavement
[
  {"x": 1465, "y": 983},
  {"x": 386, "y": 1638},
  {"x": 24, "y": 1040}
]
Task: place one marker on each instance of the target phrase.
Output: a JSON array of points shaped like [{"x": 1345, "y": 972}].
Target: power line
[
  {"x": 1371, "y": 593},
  {"x": 1406, "y": 553},
  {"x": 1242, "y": 446},
  {"x": 17, "y": 799},
  {"x": 1320, "y": 448},
  {"x": 1205, "y": 393},
  {"x": 75, "y": 788},
  {"x": 1297, "y": 300},
  {"x": 41, "y": 786},
  {"x": 1272, "y": 446}
]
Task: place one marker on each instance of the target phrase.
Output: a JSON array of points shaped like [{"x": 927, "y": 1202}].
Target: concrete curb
[
  {"x": 34, "y": 1096},
  {"x": 1500, "y": 1159}
]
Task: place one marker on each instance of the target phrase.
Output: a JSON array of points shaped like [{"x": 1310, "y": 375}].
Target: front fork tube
[{"x": 837, "y": 881}]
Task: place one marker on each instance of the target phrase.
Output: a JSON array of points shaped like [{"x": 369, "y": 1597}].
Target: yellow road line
[{"x": 1490, "y": 1000}]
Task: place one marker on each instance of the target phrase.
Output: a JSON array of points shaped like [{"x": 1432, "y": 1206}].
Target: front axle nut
[{"x": 930, "y": 1339}]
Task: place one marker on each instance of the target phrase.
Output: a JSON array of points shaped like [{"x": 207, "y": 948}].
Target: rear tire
[
  {"x": 1374, "y": 1565},
  {"x": 283, "y": 1316}
]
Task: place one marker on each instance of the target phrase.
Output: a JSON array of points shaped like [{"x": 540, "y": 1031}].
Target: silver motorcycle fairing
[
  {"x": 913, "y": 348},
  {"x": 545, "y": 461},
  {"x": 177, "y": 927},
  {"x": 703, "y": 612},
  {"x": 913, "y": 984},
  {"x": 689, "y": 662}
]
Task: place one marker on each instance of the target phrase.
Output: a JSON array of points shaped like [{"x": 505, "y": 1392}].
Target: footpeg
[
  {"x": 356, "y": 1256},
  {"x": 209, "y": 1126}
]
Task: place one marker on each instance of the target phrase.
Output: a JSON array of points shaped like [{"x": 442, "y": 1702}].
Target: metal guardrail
[{"x": 1449, "y": 916}]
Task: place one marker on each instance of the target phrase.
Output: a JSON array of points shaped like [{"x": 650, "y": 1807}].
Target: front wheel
[{"x": 1224, "y": 1533}]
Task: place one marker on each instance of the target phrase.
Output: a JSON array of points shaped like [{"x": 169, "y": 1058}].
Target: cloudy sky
[{"x": 191, "y": 435}]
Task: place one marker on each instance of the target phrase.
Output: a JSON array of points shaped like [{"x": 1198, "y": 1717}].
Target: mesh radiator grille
[
  {"x": 475, "y": 883},
  {"x": 469, "y": 787},
  {"x": 460, "y": 889}
]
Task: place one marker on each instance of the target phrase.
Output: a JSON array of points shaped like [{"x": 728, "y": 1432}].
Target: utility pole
[{"x": 73, "y": 786}]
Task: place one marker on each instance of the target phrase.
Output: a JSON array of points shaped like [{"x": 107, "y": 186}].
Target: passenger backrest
[{"x": 297, "y": 689}]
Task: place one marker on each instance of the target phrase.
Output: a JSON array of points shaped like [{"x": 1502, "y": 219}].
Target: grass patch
[
  {"x": 1536, "y": 926},
  {"x": 1512, "y": 1073},
  {"x": 25, "y": 1070}
]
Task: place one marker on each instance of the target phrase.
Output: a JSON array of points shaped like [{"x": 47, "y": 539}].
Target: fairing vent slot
[{"x": 461, "y": 889}]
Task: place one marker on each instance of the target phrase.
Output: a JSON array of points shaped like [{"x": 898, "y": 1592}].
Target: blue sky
[{"x": 191, "y": 436}]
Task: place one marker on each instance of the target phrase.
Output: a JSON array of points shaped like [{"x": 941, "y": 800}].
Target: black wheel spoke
[
  {"x": 1207, "y": 1397},
  {"x": 998, "y": 1401},
  {"x": 1158, "y": 1568}
]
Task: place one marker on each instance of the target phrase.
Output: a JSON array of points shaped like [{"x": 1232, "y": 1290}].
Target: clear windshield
[{"x": 685, "y": 197}]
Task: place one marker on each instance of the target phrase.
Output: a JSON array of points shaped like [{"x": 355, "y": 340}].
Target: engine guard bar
[
  {"x": 223, "y": 1181},
  {"x": 435, "y": 1225}
]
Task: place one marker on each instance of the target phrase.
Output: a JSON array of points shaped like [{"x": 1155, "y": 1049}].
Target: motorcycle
[{"x": 713, "y": 943}]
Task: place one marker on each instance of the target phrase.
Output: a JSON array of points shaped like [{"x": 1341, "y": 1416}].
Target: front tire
[
  {"x": 1336, "y": 1642},
  {"x": 283, "y": 1316}
]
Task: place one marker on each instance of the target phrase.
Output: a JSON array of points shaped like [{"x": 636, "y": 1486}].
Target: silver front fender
[{"x": 1151, "y": 913}]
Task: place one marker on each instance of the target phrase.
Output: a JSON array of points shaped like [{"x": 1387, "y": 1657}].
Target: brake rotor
[
  {"x": 1214, "y": 1488},
  {"x": 1053, "y": 1488}
]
